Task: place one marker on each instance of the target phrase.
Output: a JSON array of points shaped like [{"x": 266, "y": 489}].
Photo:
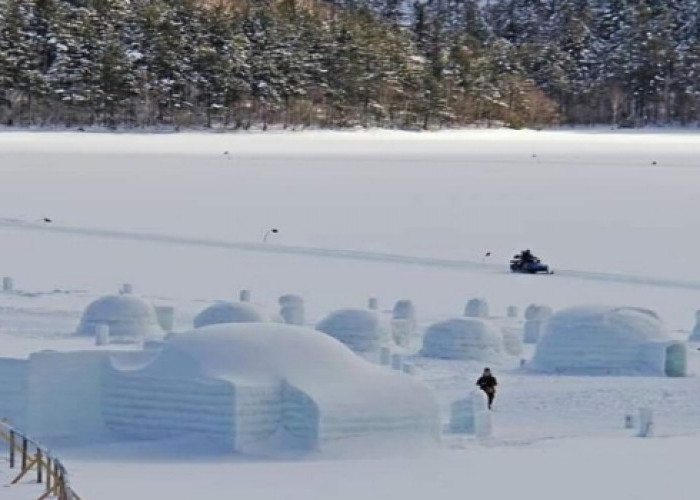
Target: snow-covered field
[{"x": 384, "y": 214}]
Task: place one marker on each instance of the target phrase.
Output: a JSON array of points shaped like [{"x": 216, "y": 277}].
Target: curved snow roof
[
  {"x": 273, "y": 353},
  {"x": 598, "y": 338},
  {"x": 360, "y": 329},
  {"x": 126, "y": 315},
  {"x": 463, "y": 338},
  {"x": 231, "y": 312},
  {"x": 623, "y": 323}
]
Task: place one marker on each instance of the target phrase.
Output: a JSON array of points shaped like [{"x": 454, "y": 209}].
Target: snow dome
[
  {"x": 360, "y": 329},
  {"x": 245, "y": 384},
  {"x": 125, "y": 315},
  {"x": 608, "y": 340},
  {"x": 463, "y": 338},
  {"x": 231, "y": 312}
]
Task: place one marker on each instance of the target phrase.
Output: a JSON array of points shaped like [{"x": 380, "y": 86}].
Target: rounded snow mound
[
  {"x": 623, "y": 323},
  {"x": 463, "y": 338},
  {"x": 278, "y": 353},
  {"x": 231, "y": 312},
  {"x": 360, "y": 329},
  {"x": 126, "y": 315},
  {"x": 604, "y": 339}
]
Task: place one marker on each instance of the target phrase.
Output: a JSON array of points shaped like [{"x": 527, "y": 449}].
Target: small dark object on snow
[
  {"x": 487, "y": 383},
  {"x": 46, "y": 219},
  {"x": 526, "y": 262},
  {"x": 653, "y": 162}
]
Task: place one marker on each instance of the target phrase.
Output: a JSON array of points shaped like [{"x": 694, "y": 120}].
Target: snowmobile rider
[
  {"x": 527, "y": 257},
  {"x": 487, "y": 383}
]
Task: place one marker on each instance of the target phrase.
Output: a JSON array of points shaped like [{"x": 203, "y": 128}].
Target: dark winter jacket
[{"x": 487, "y": 383}]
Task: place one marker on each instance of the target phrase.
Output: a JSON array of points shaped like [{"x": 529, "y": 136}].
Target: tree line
[{"x": 347, "y": 63}]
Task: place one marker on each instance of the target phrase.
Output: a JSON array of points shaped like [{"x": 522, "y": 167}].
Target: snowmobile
[{"x": 528, "y": 265}]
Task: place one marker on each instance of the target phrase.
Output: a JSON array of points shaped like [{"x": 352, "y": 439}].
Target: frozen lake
[{"x": 391, "y": 215}]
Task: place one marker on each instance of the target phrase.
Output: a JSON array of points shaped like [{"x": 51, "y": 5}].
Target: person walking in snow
[{"x": 487, "y": 383}]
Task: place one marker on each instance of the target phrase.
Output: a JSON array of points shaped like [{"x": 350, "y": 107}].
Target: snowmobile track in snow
[{"x": 335, "y": 253}]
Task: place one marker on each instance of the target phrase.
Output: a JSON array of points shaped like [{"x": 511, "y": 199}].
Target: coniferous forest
[{"x": 348, "y": 63}]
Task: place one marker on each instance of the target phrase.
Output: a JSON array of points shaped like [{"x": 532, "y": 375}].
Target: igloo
[
  {"x": 231, "y": 312},
  {"x": 125, "y": 315},
  {"x": 361, "y": 330},
  {"x": 242, "y": 384},
  {"x": 463, "y": 338},
  {"x": 599, "y": 340}
]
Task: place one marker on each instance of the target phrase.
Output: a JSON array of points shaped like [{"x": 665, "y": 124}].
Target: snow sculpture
[
  {"x": 536, "y": 317},
  {"x": 230, "y": 312},
  {"x": 360, "y": 329},
  {"x": 125, "y": 315},
  {"x": 477, "y": 308},
  {"x": 242, "y": 384},
  {"x": 646, "y": 422},
  {"x": 595, "y": 340},
  {"x": 166, "y": 317},
  {"x": 101, "y": 335},
  {"x": 403, "y": 322},
  {"x": 463, "y": 338},
  {"x": 470, "y": 415},
  {"x": 695, "y": 334},
  {"x": 292, "y": 309}
]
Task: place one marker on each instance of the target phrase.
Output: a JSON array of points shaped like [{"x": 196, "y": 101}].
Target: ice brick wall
[
  {"x": 151, "y": 407},
  {"x": 63, "y": 394},
  {"x": 13, "y": 374},
  {"x": 300, "y": 417}
]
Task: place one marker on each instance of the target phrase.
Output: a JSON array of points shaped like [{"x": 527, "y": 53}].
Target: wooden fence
[{"x": 30, "y": 455}]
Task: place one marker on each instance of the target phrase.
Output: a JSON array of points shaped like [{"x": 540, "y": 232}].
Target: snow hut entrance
[{"x": 675, "y": 360}]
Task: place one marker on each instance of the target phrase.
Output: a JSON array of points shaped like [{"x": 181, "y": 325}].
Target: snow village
[{"x": 149, "y": 350}]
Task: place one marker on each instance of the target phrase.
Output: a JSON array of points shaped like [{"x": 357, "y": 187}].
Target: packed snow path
[{"x": 337, "y": 253}]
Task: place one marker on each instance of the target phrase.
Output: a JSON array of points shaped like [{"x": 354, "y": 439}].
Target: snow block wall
[
  {"x": 13, "y": 377},
  {"x": 608, "y": 341},
  {"x": 63, "y": 394},
  {"x": 361, "y": 330},
  {"x": 241, "y": 384},
  {"x": 150, "y": 407},
  {"x": 468, "y": 414},
  {"x": 463, "y": 338}
]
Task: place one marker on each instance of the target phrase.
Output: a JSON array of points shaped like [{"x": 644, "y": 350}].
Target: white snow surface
[{"x": 391, "y": 215}]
